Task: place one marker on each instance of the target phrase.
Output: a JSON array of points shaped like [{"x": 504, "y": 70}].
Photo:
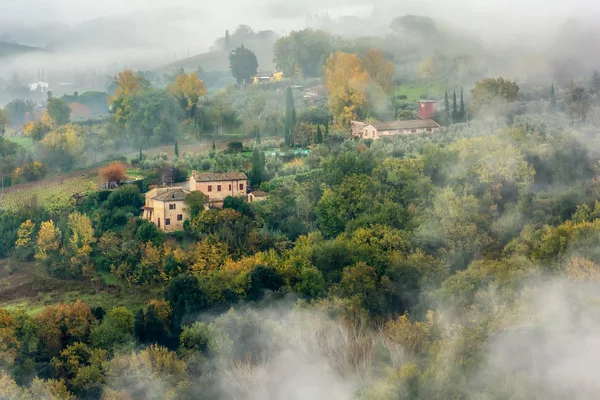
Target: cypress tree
[
  {"x": 454, "y": 108},
  {"x": 258, "y": 166},
  {"x": 227, "y": 40},
  {"x": 462, "y": 106},
  {"x": 176, "y": 149},
  {"x": 257, "y": 134},
  {"x": 319, "y": 138},
  {"x": 214, "y": 146},
  {"x": 327, "y": 130},
  {"x": 552, "y": 98},
  {"x": 141, "y": 155},
  {"x": 447, "y": 107},
  {"x": 290, "y": 118}
]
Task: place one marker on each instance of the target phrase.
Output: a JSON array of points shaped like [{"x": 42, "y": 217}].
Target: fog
[{"x": 171, "y": 30}]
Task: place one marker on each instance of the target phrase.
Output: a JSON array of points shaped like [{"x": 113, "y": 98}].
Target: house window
[
  {"x": 241, "y": 186},
  {"x": 428, "y": 129},
  {"x": 179, "y": 217},
  {"x": 413, "y": 131},
  {"x": 171, "y": 206},
  {"x": 210, "y": 188},
  {"x": 218, "y": 188},
  {"x": 230, "y": 187},
  {"x": 167, "y": 221},
  {"x": 159, "y": 222}
]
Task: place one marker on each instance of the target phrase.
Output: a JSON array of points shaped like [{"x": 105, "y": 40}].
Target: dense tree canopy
[{"x": 243, "y": 64}]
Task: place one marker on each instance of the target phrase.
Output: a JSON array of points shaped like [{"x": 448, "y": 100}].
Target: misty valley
[{"x": 314, "y": 201}]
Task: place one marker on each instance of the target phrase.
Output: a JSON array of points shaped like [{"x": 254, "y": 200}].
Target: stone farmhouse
[
  {"x": 165, "y": 208},
  {"x": 217, "y": 186},
  {"x": 377, "y": 130},
  {"x": 257, "y": 195}
]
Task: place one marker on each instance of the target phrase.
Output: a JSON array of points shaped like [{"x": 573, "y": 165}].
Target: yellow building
[
  {"x": 263, "y": 77},
  {"x": 165, "y": 208}
]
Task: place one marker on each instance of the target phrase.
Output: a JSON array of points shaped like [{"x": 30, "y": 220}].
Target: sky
[
  {"x": 498, "y": 11},
  {"x": 167, "y": 30}
]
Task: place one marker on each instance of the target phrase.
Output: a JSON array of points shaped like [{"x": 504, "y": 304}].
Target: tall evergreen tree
[
  {"x": 227, "y": 40},
  {"x": 258, "y": 166},
  {"x": 454, "y": 108},
  {"x": 290, "y": 118},
  {"x": 319, "y": 138},
  {"x": 214, "y": 146},
  {"x": 447, "y": 108},
  {"x": 327, "y": 130},
  {"x": 141, "y": 156},
  {"x": 552, "y": 98},
  {"x": 462, "y": 106},
  {"x": 595, "y": 83},
  {"x": 257, "y": 134},
  {"x": 176, "y": 149}
]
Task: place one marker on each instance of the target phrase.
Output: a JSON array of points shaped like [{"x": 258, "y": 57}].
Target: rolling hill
[{"x": 15, "y": 49}]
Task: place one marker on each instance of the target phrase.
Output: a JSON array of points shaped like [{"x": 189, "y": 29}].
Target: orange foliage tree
[
  {"x": 380, "y": 70},
  {"x": 113, "y": 172},
  {"x": 347, "y": 82},
  {"x": 80, "y": 111},
  {"x": 63, "y": 324}
]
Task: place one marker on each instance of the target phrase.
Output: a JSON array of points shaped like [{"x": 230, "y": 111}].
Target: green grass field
[
  {"x": 22, "y": 141},
  {"x": 414, "y": 91}
]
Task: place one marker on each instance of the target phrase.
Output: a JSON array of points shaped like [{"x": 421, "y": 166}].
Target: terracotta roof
[
  {"x": 259, "y": 193},
  {"x": 399, "y": 125},
  {"x": 171, "y": 194},
  {"x": 216, "y": 177},
  {"x": 147, "y": 208}
]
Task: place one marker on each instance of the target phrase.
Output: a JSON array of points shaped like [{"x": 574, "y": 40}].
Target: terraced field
[{"x": 50, "y": 192}]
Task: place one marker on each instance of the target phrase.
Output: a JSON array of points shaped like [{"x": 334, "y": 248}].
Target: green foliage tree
[
  {"x": 195, "y": 203},
  {"x": 18, "y": 110},
  {"x": 82, "y": 369},
  {"x": 494, "y": 91},
  {"x": 462, "y": 106},
  {"x": 116, "y": 329},
  {"x": 290, "y": 118},
  {"x": 552, "y": 98},
  {"x": 447, "y": 108},
  {"x": 406, "y": 115},
  {"x": 176, "y": 150},
  {"x": 243, "y": 64},
  {"x": 4, "y": 121},
  {"x": 59, "y": 111},
  {"x": 319, "y": 137},
  {"x": 153, "y": 118},
  {"x": 303, "y": 53}
]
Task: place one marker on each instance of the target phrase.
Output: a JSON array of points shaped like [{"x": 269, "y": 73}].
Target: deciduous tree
[
  {"x": 290, "y": 118},
  {"x": 347, "y": 82},
  {"x": 48, "y": 240},
  {"x": 380, "y": 70},
  {"x": 113, "y": 172},
  {"x": 188, "y": 89},
  {"x": 59, "y": 111},
  {"x": 494, "y": 91}
]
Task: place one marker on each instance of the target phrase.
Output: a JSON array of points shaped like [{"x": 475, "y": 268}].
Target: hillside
[
  {"x": 14, "y": 49},
  {"x": 211, "y": 61}
]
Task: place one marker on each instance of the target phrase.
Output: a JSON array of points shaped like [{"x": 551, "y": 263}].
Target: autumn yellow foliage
[
  {"x": 48, "y": 240},
  {"x": 25, "y": 234},
  {"x": 347, "y": 82},
  {"x": 189, "y": 88}
]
